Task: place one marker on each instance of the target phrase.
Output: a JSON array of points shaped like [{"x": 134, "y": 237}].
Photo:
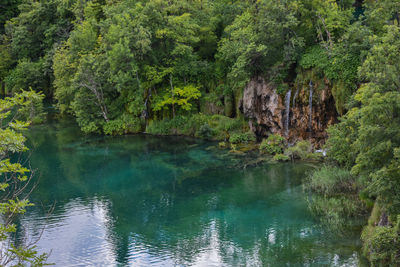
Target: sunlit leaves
[
  {"x": 14, "y": 176},
  {"x": 180, "y": 97}
]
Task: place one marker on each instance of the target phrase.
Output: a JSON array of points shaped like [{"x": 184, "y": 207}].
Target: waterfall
[
  {"x": 145, "y": 113},
  {"x": 310, "y": 105},
  {"x": 287, "y": 111}
]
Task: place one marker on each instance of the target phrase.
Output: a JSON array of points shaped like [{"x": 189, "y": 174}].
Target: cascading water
[
  {"x": 145, "y": 113},
  {"x": 310, "y": 106},
  {"x": 287, "y": 111}
]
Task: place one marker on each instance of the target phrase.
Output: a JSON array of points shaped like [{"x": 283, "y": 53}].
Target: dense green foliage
[
  {"x": 173, "y": 67},
  {"x": 274, "y": 144},
  {"x": 367, "y": 142},
  {"x": 335, "y": 197},
  {"x": 215, "y": 127},
  {"x": 116, "y": 64},
  {"x": 303, "y": 151},
  {"x": 15, "y": 116}
]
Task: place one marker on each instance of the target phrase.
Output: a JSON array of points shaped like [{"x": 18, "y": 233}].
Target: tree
[
  {"x": 261, "y": 39},
  {"x": 180, "y": 97},
  {"x": 9, "y": 9},
  {"x": 378, "y": 136},
  {"x": 15, "y": 178},
  {"x": 31, "y": 38}
]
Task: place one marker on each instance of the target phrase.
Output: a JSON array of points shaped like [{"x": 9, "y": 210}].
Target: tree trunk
[{"x": 2, "y": 89}]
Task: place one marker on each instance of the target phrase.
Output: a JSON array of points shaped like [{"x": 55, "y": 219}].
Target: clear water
[{"x": 166, "y": 201}]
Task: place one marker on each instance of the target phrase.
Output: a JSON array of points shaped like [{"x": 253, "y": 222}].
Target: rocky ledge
[{"x": 300, "y": 113}]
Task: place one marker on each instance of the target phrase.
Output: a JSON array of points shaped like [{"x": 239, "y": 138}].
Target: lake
[{"x": 144, "y": 200}]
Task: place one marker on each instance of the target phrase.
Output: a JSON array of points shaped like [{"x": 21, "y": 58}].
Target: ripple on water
[{"x": 151, "y": 201}]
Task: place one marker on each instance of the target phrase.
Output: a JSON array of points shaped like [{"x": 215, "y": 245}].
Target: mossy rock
[
  {"x": 280, "y": 158},
  {"x": 247, "y": 147},
  {"x": 223, "y": 144}
]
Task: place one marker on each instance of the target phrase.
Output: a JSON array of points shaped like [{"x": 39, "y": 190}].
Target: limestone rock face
[{"x": 266, "y": 110}]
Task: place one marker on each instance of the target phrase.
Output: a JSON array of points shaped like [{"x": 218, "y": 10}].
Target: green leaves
[
  {"x": 179, "y": 96},
  {"x": 14, "y": 176},
  {"x": 367, "y": 140},
  {"x": 262, "y": 39},
  {"x": 273, "y": 145},
  {"x": 26, "y": 105}
]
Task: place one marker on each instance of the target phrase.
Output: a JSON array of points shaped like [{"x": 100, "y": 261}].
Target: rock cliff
[{"x": 267, "y": 111}]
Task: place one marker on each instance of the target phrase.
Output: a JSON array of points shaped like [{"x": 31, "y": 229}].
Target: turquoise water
[{"x": 170, "y": 201}]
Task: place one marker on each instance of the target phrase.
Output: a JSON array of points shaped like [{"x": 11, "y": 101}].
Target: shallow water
[{"x": 166, "y": 201}]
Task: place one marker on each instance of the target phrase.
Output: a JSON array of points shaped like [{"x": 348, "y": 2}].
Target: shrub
[
  {"x": 330, "y": 180},
  {"x": 335, "y": 199},
  {"x": 280, "y": 157},
  {"x": 274, "y": 144},
  {"x": 32, "y": 110},
  {"x": 205, "y": 131},
  {"x": 300, "y": 151},
  {"x": 224, "y": 123},
  {"x": 224, "y": 126},
  {"x": 90, "y": 127},
  {"x": 303, "y": 150},
  {"x": 123, "y": 125},
  {"x": 193, "y": 124},
  {"x": 223, "y": 144},
  {"x": 381, "y": 244},
  {"x": 216, "y": 127},
  {"x": 237, "y": 138},
  {"x": 176, "y": 125}
]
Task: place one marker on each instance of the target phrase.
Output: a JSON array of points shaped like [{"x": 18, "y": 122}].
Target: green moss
[
  {"x": 375, "y": 215},
  {"x": 280, "y": 157},
  {"x": 303, "y": 150},
  {"x": 223, "y": 144},
  {"x": 274, "y": 144}
]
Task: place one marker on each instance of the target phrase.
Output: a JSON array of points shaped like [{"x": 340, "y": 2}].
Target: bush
[
  {"x": 274, "y": 144},
  {"x": 303, "y": 150},
  {"x": 381, "y": 244},
  {"x": 330, "y": 181},
  {"x": 224, "y": 126},
  {"x": 300, "y": 151},
  {"x": 216, "y": 127},
  {"x": 177, "y": 125},
  {"x": 280, "y": 157},
  {"x": 335, "y": 199},
  {"x": 25, "y": 75},
  {"x": 205, "y": 131},
  {"x": 223, "y": 123},
  {"x": 194, "y": 123},
  {"x": 123, "y": 125},
  {"x": 237, "y": 138},
  {"x": 32, "y": 109},
  {"x": 223, "y": 144}
]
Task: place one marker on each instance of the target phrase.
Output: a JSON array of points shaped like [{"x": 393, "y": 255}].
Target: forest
[{"x": 288, "y": 78}]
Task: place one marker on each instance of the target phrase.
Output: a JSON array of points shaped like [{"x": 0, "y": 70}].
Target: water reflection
[{"x": 143, "y": 200}]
